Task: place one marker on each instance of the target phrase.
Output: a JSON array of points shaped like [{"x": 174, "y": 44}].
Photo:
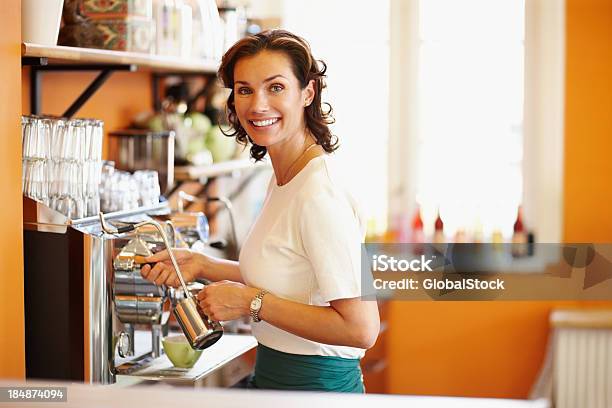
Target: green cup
[{"x": 180, "y": 352}]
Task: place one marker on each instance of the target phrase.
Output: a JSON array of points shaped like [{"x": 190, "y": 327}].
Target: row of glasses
[
  {"x": 36, "y": 142},
  {"x": 62, "y": 162},
  {"x": 120, "y": 190}
]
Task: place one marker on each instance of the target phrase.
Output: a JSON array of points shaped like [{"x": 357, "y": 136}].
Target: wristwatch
[{"x": 256, "y": 305}]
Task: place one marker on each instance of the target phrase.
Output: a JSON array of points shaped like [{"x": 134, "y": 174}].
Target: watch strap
[{"x": 255, "y": 312}]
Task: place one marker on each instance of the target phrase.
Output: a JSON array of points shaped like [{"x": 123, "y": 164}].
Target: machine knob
[{"x": 123, "y": 345}]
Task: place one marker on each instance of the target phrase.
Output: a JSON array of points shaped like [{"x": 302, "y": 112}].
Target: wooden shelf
[
  {"x": 186, "y": 173},
  {"x": 58, "y": 55}
]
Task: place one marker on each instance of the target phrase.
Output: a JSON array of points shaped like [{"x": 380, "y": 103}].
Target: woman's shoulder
[
  {"x": 322, "y": 182},
  {"x": 325, "y": 196}
]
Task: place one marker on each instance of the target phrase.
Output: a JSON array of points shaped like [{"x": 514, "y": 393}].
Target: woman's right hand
[{"x": 163, "y": 273}]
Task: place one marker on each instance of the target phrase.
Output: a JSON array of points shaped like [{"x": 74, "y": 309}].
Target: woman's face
[{"x": 268, "y": 99}]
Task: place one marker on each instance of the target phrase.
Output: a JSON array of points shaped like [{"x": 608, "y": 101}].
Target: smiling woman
[
  {"x": 296, "y": 87},
  {"x": 299, "y": 270}
]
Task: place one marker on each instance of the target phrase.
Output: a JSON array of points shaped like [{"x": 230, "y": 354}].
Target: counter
[
  {"x": 81, "y": 395},
  {"x": 218, "y": 366}
]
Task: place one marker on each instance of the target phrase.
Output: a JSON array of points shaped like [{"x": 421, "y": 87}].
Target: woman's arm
[
  {"x": 193, "y": 265},
  {"x": 218, "y": 269},
  {"x": 346, "y": 322}
]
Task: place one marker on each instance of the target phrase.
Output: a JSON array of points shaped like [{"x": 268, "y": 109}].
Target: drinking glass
[
  {"x": 106, "y": 180},
  {"x": 148, "y": 187},
  {"x": 93, "y": 165},
  {"x": 35, "y": 158}
]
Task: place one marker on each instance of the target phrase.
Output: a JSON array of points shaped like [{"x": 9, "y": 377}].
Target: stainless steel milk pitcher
[{"x": 201, "y": 332}]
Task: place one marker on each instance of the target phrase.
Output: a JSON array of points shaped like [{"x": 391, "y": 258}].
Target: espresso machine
[{"x": 90, "y": 315}]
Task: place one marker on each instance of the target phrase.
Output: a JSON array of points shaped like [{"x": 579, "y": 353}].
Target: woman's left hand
[{"x": 226, "y": 300}]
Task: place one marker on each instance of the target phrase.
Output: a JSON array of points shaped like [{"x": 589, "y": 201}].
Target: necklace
[{"x": 294, "y": 162}]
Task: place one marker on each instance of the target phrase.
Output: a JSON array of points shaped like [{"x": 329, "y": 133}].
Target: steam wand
[{"x": 129, "y": 228}]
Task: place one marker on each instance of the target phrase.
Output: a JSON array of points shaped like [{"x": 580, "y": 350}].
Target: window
[
  {"x": 477, "y": 101},
  {"x": 353, "y": 39},
  {"x": 470, "y": 97}
]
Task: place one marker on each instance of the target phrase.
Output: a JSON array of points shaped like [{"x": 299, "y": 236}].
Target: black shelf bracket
[
  {"x": 210, "y": 83},
  {"x": 34, "y": 61},
  {"x": 39, "y": 66},
  {"x": 88, "y": 93},
  {"x": 158, "y": 77}
]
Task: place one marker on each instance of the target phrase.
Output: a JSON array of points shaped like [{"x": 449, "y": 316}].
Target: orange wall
[
  {"x": 479, "y": 349},
  {"x": 12, "y": 346},
  {"x": 116, "y": 102},
  {"x": 588, "y": 122},
  {"x": 495, "y": 349}
]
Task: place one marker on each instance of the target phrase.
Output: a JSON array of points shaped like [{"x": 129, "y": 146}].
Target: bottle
[
  {"x": 438, "y": 236},
  {"x": 162, "y": 14},
  {"x": 460, "y": 236},
  {"x": 530, "y": 243},
  {"x": 197, "y": 32},
  {"x": 185, "y": 30},
  {"x": 371, "y": 231},
  {"x": 519, "y": 236},
  {"x": 497, "y": 240},
  {"x": 477, "y": 233},
  {"x": 402, "y": 228},
  {"x": 417, "y": 237},
  {"x": 175, "y": 27},
  {"x": 214, "y": 31}
]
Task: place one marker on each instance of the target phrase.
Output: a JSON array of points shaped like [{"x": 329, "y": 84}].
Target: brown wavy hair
[{"x": 305, "y": 68}]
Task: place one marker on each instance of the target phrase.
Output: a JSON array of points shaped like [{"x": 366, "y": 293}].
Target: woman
[{"x": 298, "y": 274}]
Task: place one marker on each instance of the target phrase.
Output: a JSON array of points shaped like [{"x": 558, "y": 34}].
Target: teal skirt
[{"x": 283, "y": 371}]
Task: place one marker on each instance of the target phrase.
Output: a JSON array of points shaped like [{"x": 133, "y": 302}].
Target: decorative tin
[
  {"x": 114, "y": 9},
  {"x": 131, "y": 34}
]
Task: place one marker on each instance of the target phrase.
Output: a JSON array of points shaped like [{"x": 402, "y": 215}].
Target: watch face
[{"x": 255, "y": 304}]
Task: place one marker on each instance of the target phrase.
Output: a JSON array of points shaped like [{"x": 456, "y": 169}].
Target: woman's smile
[{"x": 264, "y": 124}]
